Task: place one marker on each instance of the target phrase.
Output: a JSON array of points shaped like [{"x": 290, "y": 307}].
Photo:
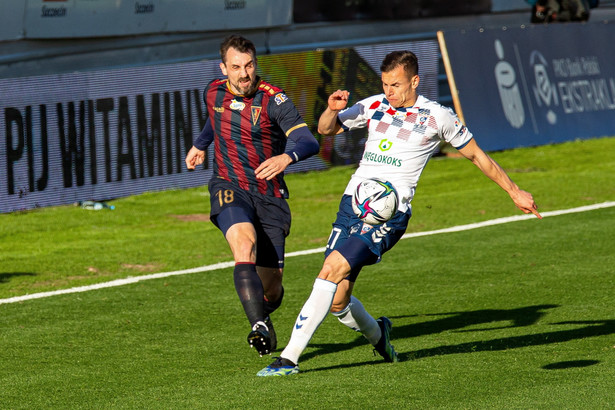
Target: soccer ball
[{"x": 375, "y": 201}]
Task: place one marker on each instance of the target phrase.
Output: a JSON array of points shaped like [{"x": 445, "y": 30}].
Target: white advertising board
[
  {"x": 99, "y": 18},
  {"x": 11, "y": 19}
]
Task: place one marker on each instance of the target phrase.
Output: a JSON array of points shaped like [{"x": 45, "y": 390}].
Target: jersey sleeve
[
  {"x": 286, "y": 115},
  {"x": 354, "y": 116},
  {"x": 206, "y": 136},
  {"x": 452, "y": 130},
  {"x": 283, "y": 111}
]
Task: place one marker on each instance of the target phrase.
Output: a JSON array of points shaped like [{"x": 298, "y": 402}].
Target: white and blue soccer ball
[{"x": 375, "y": 201}]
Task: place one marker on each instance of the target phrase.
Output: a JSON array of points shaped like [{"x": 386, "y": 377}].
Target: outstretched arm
[
  {"x": 328, "y": 124},
  {"x": 522, "y": 199}
]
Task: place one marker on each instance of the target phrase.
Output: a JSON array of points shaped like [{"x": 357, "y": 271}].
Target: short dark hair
[
  {"x": 406, "y": 59},
  {"x": 239, "y": 43}
]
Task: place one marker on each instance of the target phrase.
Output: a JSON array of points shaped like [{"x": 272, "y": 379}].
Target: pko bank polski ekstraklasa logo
[{"x": 564, "y": 85}]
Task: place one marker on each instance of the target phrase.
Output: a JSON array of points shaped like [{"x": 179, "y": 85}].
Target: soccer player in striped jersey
[
  {"x": 404, "y": 131},
  {"x": 249, "y": 121}
]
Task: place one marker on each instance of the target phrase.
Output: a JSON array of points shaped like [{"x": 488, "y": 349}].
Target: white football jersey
[{"x": 400, "y": 141}]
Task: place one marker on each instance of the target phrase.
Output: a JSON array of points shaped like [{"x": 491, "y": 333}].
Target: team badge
[
  {"x": 366, "y": 228},
  {"x": 237, "y": 105},
  {"x": 256, "y": 112},
  {"x": 280, "y": 98}
]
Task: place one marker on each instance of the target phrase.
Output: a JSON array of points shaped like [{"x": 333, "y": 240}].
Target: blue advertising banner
[{"x": 533, "y": 85}]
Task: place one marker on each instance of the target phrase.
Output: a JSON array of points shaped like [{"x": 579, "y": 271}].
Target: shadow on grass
[
  {"x": 590, "y": 329},
  {"x": 456, "y": 321},
  {"x": 5, "y": 277},
  {"x": 571, "y": 364}
]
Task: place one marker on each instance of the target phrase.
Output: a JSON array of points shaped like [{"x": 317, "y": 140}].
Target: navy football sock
[
  {"x": 250, "y": 291},
  {"x": 270, "y": 307}
]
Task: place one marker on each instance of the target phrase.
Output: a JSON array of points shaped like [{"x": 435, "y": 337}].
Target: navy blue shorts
[
  {"x": 362, "y": 244},
  {"x": 269, "y": 215}
]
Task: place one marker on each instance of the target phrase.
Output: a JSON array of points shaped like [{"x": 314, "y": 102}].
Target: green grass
[
  {"x": 66, "y": 246},
  {"x": 510, "y": 316}
]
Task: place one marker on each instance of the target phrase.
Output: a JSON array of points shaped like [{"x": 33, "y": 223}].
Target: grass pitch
[{"x": 510, "y": 316}]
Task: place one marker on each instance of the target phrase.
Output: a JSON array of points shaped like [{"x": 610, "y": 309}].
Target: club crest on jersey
[
  {"x": 365, "y": 228},
  {"x": 256, "y": 112},
  {"x": 280, "y": 98},
  {"x": 237, "y": 105}
]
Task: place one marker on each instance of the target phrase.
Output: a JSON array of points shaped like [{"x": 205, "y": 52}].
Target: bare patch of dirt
[
  {"x": 192, "y": 217},
  {"x": 149, "y": 267}
]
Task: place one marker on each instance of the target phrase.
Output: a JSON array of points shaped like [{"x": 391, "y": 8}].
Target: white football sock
[
  {"x": 311, "y": 316},
  {"x": 356, "y": 317}
]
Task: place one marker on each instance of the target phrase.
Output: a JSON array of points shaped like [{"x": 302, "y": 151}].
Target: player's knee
[
  {"x": 244, "y": 250},
  {"x": 331, "y": 273}
]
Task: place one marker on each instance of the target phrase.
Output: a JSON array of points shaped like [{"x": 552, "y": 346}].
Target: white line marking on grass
[
  {"x": 118, "y": 282},
  {"x": 224, "y": 265},
  {"x": 507, "y": 219}
]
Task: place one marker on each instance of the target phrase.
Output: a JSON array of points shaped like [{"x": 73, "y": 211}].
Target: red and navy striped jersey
[{"x": 247, "y": 131}]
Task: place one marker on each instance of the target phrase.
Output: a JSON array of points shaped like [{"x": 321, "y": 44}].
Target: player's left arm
[
  {"x": 306, "y": 145},
  {"x": 522, "y": 199},
  {"x": 196, "y": 155}
]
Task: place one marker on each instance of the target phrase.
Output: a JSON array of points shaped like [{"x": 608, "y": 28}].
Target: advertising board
[
  {"x": 99, "y": 18},
  {"x": 535, "y": 85}
]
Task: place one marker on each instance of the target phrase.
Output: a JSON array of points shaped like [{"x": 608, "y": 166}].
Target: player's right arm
[
  {"x": 522, "y": 199},
  {"x": 196, "y": 155},
  {"x": 328, "y": 123}
]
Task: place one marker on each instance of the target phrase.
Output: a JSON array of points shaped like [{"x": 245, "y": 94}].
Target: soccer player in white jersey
[{"x": 404, "y": 130}]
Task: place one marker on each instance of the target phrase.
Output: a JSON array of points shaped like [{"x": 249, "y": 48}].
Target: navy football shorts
[
  {"x": 362, "y": 244},
  {"x": 269, "y": 215}
]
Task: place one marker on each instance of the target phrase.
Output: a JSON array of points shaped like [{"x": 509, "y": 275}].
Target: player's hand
[
  {"x": 271, "y": 167},
  {"x": 525, "y": 202},
  {"x": 194, "y": 157},
  {"x": 338, "y": 100}
]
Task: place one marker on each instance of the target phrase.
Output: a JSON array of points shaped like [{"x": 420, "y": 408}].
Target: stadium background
[{"x": 101, "y": 99}]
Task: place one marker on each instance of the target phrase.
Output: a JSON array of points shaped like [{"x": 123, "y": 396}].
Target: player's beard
[{"x": 243, "y": 88}]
